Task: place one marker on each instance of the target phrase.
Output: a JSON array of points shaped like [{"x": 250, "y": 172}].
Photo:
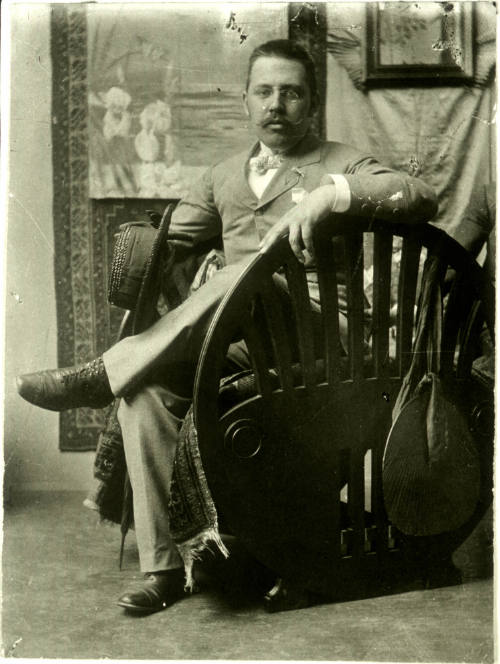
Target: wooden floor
[{"x": 61, "y": 580}]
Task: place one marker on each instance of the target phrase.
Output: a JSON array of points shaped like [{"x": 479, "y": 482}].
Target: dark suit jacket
[{"x": 478, "y": 225}]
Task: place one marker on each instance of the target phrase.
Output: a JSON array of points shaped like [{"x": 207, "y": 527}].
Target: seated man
[{"x": 285, "y": 185}]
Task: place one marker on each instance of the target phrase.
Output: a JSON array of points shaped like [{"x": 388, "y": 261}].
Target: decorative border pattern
[
  {"x": 83, "y": 229},
  {"x": 73, "y": 258}
]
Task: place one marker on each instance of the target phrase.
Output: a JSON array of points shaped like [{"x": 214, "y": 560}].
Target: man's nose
[{"x": 276, "y": 101}]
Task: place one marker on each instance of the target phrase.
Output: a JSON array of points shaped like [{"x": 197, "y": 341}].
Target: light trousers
[
  {"x": 150, "y": 421},
  {"x": 174, "y": 339}
]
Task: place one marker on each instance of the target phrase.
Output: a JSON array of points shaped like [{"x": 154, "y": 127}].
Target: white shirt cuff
[{"x": 343, "y": 193}]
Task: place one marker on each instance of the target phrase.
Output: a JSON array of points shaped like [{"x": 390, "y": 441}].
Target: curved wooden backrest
[{"x": 289, "y": 466}]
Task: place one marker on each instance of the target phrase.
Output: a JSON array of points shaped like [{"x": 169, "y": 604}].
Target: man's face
[{"x": 278, "y": 102}]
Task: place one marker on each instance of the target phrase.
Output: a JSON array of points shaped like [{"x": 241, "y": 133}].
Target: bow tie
[{"x": 263, "y": 163}]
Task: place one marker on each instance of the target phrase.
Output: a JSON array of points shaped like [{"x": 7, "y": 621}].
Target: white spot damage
[{"x": 14, "y": 646}]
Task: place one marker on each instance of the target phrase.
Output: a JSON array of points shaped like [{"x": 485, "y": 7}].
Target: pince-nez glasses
[{"x": 288, "y": 95}]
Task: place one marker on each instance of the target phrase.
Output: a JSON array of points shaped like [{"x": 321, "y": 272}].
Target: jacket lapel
[
  {"x": 289, "y": 174},
  {"x": 245, "y": 194}
]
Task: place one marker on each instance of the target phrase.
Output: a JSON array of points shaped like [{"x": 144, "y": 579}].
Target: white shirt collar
[{"x": 264, "y": 150}]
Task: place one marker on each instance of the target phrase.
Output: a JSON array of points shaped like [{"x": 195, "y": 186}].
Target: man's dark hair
[{"x": 290, "y": 50}]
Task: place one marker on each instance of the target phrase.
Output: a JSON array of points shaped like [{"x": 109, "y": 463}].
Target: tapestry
[
  {"x": 83, "y": 230},
  {"x": 164, "y": 91},
  {"x": 442, "y": 133},
  {"x": 114, "y": 158}
]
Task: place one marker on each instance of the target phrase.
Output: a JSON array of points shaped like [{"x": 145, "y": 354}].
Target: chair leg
[{"x": 284, "y": 596}]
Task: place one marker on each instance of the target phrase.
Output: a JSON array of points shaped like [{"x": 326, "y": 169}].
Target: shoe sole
[{"x": 133, "y": 608}]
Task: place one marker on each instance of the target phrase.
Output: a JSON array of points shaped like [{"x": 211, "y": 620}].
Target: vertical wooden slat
[
  {"x": 253, "y": 336},
  {"x": 407, "y": 288},
  {"x": 382, "y": 258},
  {"x": 301, "y": 305},
  {"x": 356, "y": 501},
  {"x": 457, "y": 305},
  {"x": 280, "y": 337},
  {"x": 355, "y": 303},
  {"x": 469, "y": 339},
  {"x": 327, "y": 281},
  {"x": 342, "y": 492},
  {"x": 335, "y": 524},
  {"x": 378, "y": 507}
]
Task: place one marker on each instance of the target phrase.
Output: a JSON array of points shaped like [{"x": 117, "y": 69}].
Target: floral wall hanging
[{"x": 164, "y": 90}]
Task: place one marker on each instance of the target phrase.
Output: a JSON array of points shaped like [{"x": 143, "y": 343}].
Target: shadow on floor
[{"x": 61, "y": 581}]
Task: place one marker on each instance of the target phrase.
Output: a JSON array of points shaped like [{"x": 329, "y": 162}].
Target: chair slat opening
[
  {"x": 382, "y": 252},
  {"x": 356, "y": 501},
  {"x": 253, "y": 328},
  {"x": 407, "y": 288},
  {"x": 355, "y": 304},
  {"x": 378, "y": 512},
  {"x": 327, "y": 282},
  {"x": 301, "y": 311},
  {"x": 279, "y": 334}
]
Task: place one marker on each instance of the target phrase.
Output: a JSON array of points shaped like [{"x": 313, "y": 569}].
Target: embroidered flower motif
[
  {"x": 117, "y": 119},
  {"x": 156, "y": 120},
  {"x": 156, "y": 117},
  {"x": 147, "y": 145}
]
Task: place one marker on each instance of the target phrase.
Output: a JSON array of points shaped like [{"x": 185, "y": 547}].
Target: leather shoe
[
  {"x": 74, "y": 387},
  {"x": 159, "y": 591}
]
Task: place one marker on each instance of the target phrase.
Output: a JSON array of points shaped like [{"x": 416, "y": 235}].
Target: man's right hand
[{"x": 300, "y": 222}]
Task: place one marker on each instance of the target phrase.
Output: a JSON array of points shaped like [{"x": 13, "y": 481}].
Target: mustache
[{"x": 271, "y": 119}]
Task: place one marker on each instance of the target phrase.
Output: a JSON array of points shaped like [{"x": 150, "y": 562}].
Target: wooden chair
[{"x": 289, "y": 465}]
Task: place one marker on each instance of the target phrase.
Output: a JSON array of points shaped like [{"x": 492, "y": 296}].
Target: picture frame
[{"x": 419, "y": 41}]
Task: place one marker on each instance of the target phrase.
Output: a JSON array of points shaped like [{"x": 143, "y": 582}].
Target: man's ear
[{"x": 244, "y": 97}]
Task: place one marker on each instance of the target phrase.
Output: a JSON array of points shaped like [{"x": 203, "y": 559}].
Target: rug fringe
[
  {"x": 102, "y": 520},
  {"x": 192, "y": 549},
  {"x": 91, "y": 504}
]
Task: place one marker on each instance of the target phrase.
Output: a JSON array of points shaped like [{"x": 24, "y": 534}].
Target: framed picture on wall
[{"x": 431, "y": 41}]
